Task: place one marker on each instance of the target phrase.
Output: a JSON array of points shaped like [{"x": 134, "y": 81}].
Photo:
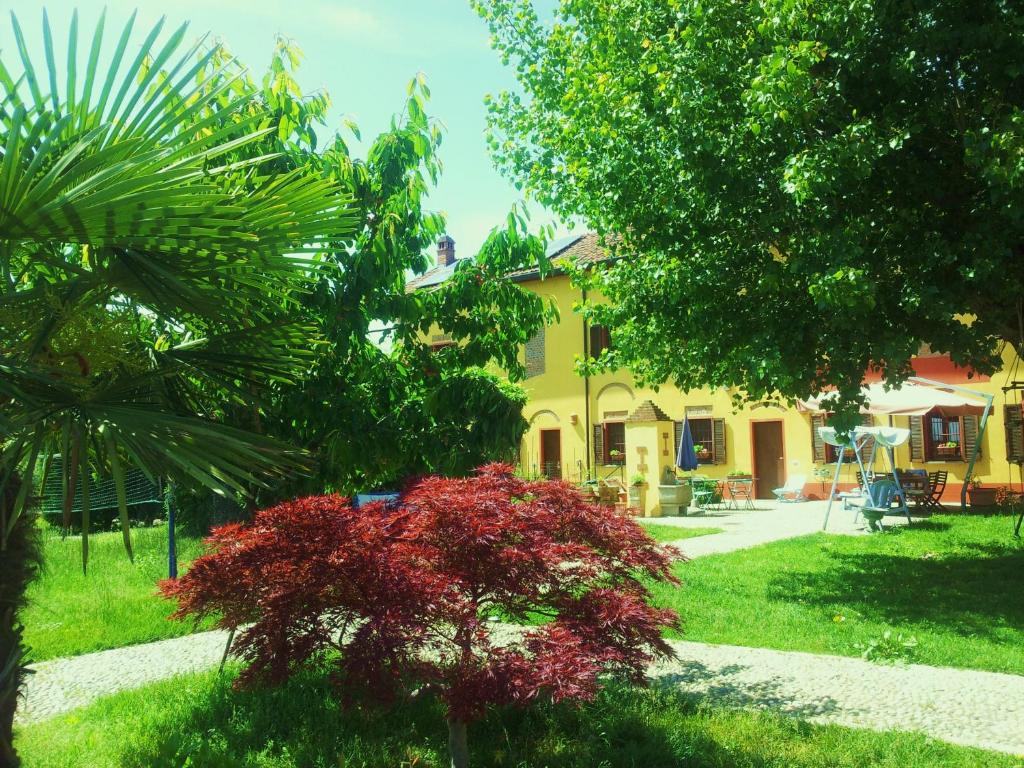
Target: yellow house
[{"x": 587, "y": 427}]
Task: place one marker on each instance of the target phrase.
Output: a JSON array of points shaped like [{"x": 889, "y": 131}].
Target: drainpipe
[{"x": 586, "y": 387}]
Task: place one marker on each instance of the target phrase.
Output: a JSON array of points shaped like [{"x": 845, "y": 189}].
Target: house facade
[{"x": 605, "y": 426}]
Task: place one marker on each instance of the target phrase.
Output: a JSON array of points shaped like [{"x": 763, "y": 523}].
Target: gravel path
[
  {"x": 771, "y": 521},
  {"x": 61, "y": 685},
  {"x": 976, "y": 709}
]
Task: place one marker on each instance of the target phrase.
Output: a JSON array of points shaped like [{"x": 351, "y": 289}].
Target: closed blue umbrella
[{"x": 686, "y": 457}]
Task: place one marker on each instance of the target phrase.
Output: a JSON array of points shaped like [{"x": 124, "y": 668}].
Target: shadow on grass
[
  {"x": 969, "y": 591},
  {"x": 301, "y": 724}
]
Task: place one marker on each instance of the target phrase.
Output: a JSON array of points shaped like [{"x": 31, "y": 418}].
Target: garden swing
[{"x": 880, "y": 494}]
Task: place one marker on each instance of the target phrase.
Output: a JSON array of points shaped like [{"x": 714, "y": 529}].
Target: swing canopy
[
  {"x": 915, "y": 397},
  {"x": 887, "y": 437}
]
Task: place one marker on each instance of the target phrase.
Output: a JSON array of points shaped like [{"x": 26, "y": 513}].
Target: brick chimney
[{"x": 445, "y": 251}]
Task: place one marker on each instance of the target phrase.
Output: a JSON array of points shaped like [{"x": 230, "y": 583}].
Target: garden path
[{"x": 770, "y": 521}]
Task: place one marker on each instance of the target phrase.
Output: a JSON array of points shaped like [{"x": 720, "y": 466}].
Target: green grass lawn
[
  {"x": 198, "y": 720},
  {"x": 111, "y": 605},
  {"x": 952, "y": 582},
  {"x": 665, "y": 533}
]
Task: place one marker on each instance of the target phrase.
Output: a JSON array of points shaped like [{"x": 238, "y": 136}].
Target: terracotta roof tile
[
  {"x": 581, "y": 250},
  {"x": 648, "y": 411}
]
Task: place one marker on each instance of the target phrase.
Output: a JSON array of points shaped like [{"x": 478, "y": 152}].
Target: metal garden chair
[{"x": 881, "y": 494}]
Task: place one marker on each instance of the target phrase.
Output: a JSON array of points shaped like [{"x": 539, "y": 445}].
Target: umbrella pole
[{"x": 832, "y": 493}]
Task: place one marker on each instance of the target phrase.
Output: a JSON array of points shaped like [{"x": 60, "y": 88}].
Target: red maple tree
[{"x": 443, "y": 590}]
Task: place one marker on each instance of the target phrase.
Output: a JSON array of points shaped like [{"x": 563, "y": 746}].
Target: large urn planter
[{"x": 674, "y": 499}]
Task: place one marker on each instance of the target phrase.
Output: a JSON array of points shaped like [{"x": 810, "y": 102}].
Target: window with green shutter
[{"x": 1013, "y": 424}]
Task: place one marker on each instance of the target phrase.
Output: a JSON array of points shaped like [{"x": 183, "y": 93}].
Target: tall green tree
[
  {"x": 800, "y": 191},
  {"x": 148, "y": 269},
  {"x": 378, "y": 403}
]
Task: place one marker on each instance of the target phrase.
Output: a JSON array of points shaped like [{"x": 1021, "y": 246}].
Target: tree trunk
[
  {"x": 458, "y": 746},
  {"x": 19, "y": 564}
]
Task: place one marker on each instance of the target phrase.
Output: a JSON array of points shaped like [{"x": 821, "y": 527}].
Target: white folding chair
[{"x": 793, "y": 490}]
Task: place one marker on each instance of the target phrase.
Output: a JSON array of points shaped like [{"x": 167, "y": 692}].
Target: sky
[{"x": 363, "y": 53}]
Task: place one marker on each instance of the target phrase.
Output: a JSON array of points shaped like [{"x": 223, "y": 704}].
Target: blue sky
[{"x": 363, "y": 52}]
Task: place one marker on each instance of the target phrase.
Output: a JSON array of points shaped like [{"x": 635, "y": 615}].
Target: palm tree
[{"x": 150, "y": 249}]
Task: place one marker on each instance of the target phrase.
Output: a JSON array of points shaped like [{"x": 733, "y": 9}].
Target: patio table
[{"x": 741, "y": 489}]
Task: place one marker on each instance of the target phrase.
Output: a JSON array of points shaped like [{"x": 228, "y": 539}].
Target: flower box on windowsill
[{"x": 947, "y": 453}]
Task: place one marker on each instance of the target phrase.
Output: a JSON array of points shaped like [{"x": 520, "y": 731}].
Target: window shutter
[
  {"x": 534, "y": 354},
  {"x": 718, "y": 433},
  {"x": 970, "y": 428},
  {"x": 917, "y": 438},
  {"x": 867, "y": 420},
  {"x": 678, "y": 438},
  {"x": 817, "y": 444},
  {"x": 598, "y": 444},
  {"x": 1014, "y": 426}
]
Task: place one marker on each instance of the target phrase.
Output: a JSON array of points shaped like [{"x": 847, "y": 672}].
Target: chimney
[{"x": 445, "y": 251}]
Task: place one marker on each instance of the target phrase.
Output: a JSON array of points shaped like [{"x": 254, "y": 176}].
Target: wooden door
[
  {"x": 769, "y": 457},
  {"x": 551, "y": 453}
]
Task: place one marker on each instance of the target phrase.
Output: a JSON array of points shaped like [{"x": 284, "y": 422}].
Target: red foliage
[{"x": 411, "y": 594}]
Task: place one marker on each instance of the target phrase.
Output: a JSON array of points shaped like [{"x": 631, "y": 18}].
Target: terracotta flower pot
[{"x": 982, "y": 497}]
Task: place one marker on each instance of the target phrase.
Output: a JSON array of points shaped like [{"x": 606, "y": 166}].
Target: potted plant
[
  {"x": 948, "y": 448},
  {"x": 981, "y": 495},
  {"x": 702, "y": 452},
  {"x": 636, "y": 490},
  {"x": 616, "y": 456}
]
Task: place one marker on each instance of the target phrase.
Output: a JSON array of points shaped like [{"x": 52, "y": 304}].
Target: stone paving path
[
  {"x": 61, "y": 685},
  {"x": 981, "y": 709},
  {"x": 771, "y": 521},
  {"x": 976, "y": 709}
]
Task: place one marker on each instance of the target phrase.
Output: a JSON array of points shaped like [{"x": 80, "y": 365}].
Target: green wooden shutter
[
  {"x": 970, "y": 427},
  {"x": 598, "y": 444},
  {"x": 917, "y": 438},
  {"x": 817, "y": 444},
  {"x": 718, "y": 433},
  {"x": 1013, "y": 423},
  {"x": 866, "y": 420},
  {"x": 534, "y": 354}
]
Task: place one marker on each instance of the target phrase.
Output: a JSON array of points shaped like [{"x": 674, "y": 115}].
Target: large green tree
[
  {"x": 800, "y": 191},
  {"x": 377, "y": 403}
]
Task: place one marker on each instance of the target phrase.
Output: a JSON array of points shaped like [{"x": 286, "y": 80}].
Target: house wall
[{"x": 559, "y": 399}]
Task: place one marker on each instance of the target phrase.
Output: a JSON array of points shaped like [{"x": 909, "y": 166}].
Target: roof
[
  {"x": 434, "y": 276},
  {"x": 648, "y": 411},
  {"x": 580, "y": 249}
]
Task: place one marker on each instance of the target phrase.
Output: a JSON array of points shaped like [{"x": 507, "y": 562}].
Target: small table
[
  {"x": 916, "y": 486},
  {"x": 741, "y": 489}
]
